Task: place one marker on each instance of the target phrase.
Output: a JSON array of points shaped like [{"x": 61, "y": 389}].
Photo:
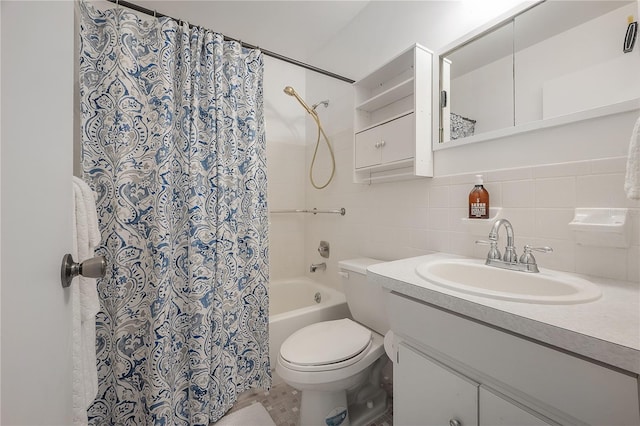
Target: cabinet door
[
  {"x": 427, "y": 393},
  {"x": 577, "y": 389},
  {"x": 497, "y": 411},
  {"x": 367, "y": 151},
  {"x": 397, "y": 139}
]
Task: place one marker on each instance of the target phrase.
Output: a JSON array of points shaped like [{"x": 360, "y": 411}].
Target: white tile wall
[
  {"x": 541, "y": 205},
  {"x": 286, "y": 152},
  {"x": 555, "y": 192},
  {"x": 518, "y": 193},
  {"x": 411, "y": 218},
  {"x": 286, "y": 190}
]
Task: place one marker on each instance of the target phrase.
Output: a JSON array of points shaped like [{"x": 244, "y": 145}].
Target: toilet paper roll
[{"x": 391, "y": 345}]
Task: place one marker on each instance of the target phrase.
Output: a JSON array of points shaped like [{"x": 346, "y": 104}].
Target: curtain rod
[{"x": 242, "y": 43}]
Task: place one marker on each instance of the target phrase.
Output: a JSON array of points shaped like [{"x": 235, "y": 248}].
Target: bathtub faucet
[{"x": 315, "y": 266}]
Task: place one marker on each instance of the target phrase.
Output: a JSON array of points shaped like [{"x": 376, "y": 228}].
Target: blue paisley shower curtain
[{"x": 174, "y": 146}]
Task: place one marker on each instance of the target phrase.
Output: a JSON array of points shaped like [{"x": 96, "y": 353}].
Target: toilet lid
[{"x": 326, "y": 342}]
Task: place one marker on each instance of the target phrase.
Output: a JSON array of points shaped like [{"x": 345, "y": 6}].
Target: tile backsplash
[
  {"x": 395, "y": 220},
  {"x": 540, "y": 201}
]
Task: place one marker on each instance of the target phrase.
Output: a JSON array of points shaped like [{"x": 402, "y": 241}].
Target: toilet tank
[{"x": 365, "y": 299}]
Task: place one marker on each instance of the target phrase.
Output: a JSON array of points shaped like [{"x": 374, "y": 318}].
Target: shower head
[
  {"x": 291, "y": 92},
  {"x": 324, "y": 103}
]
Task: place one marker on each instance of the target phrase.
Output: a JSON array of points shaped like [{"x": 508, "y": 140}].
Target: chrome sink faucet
[
  {"x": 526, "y": 263},
  {"x": 510, "y": 250}
]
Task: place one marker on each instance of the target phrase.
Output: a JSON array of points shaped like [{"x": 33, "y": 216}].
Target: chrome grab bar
[{"x": 341, "y": 211}]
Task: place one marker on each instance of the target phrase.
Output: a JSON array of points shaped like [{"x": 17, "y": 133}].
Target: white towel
[
  {"x": 632, "y": 180},
  {"x": 85, "y": 302}
]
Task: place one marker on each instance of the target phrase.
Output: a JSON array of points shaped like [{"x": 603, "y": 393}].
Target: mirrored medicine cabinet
[{"x": 546, "y": 64}]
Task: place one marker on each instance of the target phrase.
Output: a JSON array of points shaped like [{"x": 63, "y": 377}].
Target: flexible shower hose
[{"x": 315, "y": 152}]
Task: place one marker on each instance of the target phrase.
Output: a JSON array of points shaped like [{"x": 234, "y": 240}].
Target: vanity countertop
[{"x": 605, "y": 330}]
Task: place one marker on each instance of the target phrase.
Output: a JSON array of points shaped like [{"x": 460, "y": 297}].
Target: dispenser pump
[{"x": 479, "y": 200}]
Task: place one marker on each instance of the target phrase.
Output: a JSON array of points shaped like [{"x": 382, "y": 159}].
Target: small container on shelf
[{"x": 479, "y": 200}]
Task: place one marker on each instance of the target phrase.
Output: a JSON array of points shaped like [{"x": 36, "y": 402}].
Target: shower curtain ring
[{"x": 154, "y": 13}]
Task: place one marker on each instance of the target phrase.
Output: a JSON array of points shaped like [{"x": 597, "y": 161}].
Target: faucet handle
[
  {"x": 527, "y": 256},
  {"x": 545, "y": 249}
]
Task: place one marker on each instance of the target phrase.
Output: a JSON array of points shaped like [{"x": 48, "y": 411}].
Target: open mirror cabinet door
[{"x": 539, "y": 65}]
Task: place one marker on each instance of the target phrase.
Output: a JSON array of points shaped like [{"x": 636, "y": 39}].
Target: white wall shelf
[
  {"x": 482, "y": 227},
  {"x": 388, "y": 97},
  {"x": 392, "y": 127},
  {"x": 379, "y": 123}
]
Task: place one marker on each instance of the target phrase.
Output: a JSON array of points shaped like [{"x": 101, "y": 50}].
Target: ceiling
[{"x": 295, "y": 29}]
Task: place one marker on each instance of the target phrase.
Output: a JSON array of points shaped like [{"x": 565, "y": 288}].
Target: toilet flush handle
[{"x": 343, "y": 274}]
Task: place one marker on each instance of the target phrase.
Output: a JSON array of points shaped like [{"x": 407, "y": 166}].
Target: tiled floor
[{"x": 283, "y": 402}]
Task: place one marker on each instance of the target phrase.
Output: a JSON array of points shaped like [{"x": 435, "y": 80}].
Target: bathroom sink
[{"x": 474, "y": 277}]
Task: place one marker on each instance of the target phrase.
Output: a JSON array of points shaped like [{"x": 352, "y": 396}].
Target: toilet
[{"x": 337, "y": 365}]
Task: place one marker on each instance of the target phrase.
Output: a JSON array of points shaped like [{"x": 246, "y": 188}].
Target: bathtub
[{"x": 293, "y": 305}]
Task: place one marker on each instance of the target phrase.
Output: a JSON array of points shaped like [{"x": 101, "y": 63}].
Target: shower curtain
[{"x": 174, "y": 146}]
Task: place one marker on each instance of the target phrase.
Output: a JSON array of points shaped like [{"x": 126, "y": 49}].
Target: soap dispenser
[{"x": 479, "y": 200}]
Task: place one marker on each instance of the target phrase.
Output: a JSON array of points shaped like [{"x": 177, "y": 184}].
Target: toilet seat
[{"x": 328, "y": 345}]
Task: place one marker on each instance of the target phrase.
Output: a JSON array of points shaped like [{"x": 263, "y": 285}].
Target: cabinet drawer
[
  {"x": 555, "y": 382},
  {"x": 494, "y": 410}
]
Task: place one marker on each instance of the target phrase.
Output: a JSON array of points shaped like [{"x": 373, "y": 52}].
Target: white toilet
[{"x": 337, "y": 364}]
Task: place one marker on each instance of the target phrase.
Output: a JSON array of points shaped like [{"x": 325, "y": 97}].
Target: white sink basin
[{"x": 474, "y": 277}]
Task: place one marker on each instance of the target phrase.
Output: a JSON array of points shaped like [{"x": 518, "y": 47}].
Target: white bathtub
[{"x": 292, "y": 305}]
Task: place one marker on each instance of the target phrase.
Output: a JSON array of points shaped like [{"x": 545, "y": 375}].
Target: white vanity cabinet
[
  {"x": 392, "y": 127},
  {"x": 427, "y": 392},
  {"x": 452, "y": 368}
]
